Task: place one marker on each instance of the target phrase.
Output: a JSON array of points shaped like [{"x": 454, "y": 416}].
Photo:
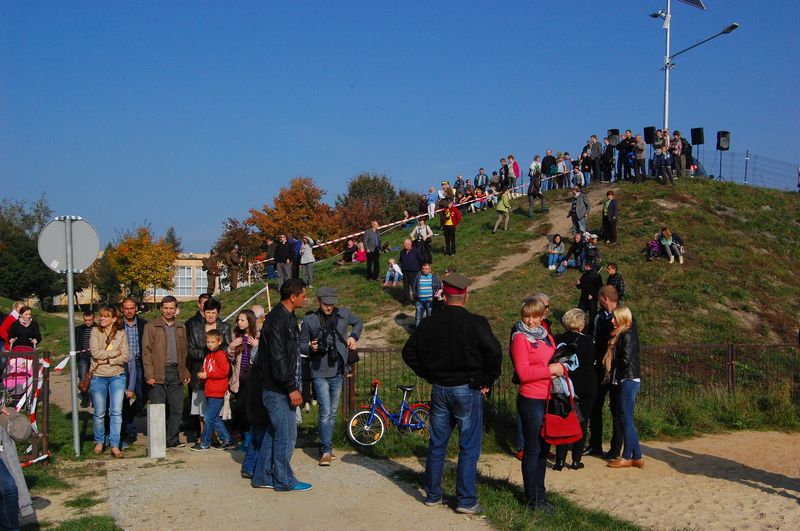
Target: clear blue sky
[{"x": 186, "y": 113}]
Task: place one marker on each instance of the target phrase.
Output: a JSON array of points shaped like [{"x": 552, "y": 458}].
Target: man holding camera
[{"x": 324, "y": 338}]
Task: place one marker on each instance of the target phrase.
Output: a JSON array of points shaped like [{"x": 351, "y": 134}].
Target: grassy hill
[{"x": 738, "y": 282}]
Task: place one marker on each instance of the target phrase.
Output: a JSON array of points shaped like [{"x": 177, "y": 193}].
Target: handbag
[
  {"x": 85, "y": 382},
  {"x": 557, "y": 429}
]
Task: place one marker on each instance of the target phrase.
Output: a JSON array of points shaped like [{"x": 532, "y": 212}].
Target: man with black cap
[
  {"x": 324, "y": 338},
  {"x": 455, "y": 351}
]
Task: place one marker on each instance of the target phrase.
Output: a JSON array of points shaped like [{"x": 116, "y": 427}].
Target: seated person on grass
[{"x": 574, "y": 257}]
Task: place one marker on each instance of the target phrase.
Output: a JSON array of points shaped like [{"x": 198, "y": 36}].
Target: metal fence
[
  {"x": 749, "y": 168},
  {"x": 667, "y": 370}
]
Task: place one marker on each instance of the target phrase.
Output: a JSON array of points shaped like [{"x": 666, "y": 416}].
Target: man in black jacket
[
  {"x": 82, "y": 334},
  {"x": 278, "y": 364},
  {"x": 410, "y": 261},
  {"x": 608, "y": 300},
  {"x": 456, "y": 352},
  {"x": 284, "y": 257},
  {"x": 549, "y": 168}
]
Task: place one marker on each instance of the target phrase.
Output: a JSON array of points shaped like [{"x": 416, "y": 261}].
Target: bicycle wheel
[
  {"x": 418, "y": 421},
  {"x": 363, "y": 432}
]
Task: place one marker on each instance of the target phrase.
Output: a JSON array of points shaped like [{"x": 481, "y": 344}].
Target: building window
[
  {"x": 200, "y": 281},
  {"x": 183, "y": 282}
]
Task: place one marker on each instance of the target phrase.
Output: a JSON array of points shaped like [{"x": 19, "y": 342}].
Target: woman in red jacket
[{"x": 532, "y": 346}]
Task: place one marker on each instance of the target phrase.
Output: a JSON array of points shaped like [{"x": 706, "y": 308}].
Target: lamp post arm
[{"x": 673, "y": 56}]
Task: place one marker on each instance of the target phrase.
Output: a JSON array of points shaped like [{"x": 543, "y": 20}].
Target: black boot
[
  {"x": 559, "y": 464},
  {"x": 576, "y": 465}
]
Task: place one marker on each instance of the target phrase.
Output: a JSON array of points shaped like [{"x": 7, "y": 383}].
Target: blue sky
[{"x": 186, "y": 113}]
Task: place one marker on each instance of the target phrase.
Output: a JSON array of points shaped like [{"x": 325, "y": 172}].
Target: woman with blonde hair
[
  {"x": 622, "y": 369},
  {"x": 583, "y": 379},
  {"x": 532, "y": 347},
  {"x": 110, "y": 354}
]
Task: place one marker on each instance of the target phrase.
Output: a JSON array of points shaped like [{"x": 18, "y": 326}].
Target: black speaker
[
  {"x": 649, "y": 135},
  {"x": 698, "y": 138},
  {"x": 613, "y": 137},
  {"x": 723, "y": 140}
]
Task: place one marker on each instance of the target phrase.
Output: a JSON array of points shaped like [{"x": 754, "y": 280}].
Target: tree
[
  {"x": 23, "y": 273},
  {"x": 171, "y": 237},
  {"x": 298, "y": 210},
  {"x": 371, "y": 196},
  {"x": 141, "y": 263},
  {"x": 235, "y": 232},
  {"x": 102, "y": 277}
]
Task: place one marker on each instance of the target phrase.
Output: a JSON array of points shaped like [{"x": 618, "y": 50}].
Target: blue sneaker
[{"x": 301, "y": 486}]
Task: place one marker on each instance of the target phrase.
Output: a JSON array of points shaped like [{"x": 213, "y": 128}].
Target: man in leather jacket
[{"x": 278, "y": 365}]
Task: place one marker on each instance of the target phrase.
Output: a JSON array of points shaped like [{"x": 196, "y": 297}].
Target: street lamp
[{"x": 666, "y": 14}]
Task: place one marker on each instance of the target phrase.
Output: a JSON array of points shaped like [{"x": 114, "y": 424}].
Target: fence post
[
  {"x": 349, "y": 396},
  {"x": 731, "y": 367},
  {"x": 45, "y": 429}
]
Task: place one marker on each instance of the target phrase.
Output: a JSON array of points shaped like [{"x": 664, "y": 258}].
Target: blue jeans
[
  {"x": 273, "y": 465},
  {"x": 250, "y": 458},
  {"x": 570, "y": 263},
  {"x": 213, "y": 422},
  {"x": 554, "y": 259},
  {"x": 578, "y": 225},
  {"x": 424, "y": 309},
  {"x": 627, "y": 400},
  {"x": 102, "y": 388},
  {"x": 9, "y": 500},
  {"x": 328, "y": 391},
  {"x": 587, "y": 178},
  {"x": 534, "y": 460},
  {"x": 450, "y": 407},
  {"x": 393, "y": 276}
]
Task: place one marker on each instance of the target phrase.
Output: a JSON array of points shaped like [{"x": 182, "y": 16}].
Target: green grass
[
  {"x": 94, "y": 523},
  {"x": 503, "y": 506},
  {"x": 83, "y": 501}
]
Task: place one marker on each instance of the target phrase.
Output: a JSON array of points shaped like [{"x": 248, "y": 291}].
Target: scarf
[
  {"x": 25, "y": 322},
  {"x": 531, "y": 334}
]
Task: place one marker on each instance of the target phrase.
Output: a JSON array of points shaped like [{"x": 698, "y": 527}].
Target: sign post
[{"x": 69, "y": 244}]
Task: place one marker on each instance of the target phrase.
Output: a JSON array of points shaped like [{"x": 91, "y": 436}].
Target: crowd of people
[{"x": 458, "y": 353}]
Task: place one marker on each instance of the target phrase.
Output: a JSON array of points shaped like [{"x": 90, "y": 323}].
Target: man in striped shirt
[{"x": 426, "y": 285}]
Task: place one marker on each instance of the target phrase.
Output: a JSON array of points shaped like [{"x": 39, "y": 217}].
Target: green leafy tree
[
  {"x": 172, "y": 238},
  {"x": 23, "y": 274},
  {"x": 140, "y": 262},
  {"x": 372, "y": 196}
]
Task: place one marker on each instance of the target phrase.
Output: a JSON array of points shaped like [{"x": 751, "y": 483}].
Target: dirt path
[
  {"x": 378, "y": 329},
  {"x": 742, "y": 480}
]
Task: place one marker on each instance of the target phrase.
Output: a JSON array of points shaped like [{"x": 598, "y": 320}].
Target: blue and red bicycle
[{"x": 366, "y": 427}]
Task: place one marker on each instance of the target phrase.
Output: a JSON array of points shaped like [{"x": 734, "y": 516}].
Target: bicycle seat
[{"x": 407, "y": 388}]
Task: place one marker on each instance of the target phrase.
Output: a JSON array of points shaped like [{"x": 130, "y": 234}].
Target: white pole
[{"x": 667, "y": 65}]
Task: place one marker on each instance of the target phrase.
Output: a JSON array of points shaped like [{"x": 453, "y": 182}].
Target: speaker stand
[{"x": 720, "y": 177}]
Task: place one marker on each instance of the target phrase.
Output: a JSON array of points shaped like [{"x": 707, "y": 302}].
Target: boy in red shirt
[{"x": 215, "y": 373}]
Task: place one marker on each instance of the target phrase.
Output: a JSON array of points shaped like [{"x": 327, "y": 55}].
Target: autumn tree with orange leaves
[
  {"x": 141, "y": 263},
  {"x": 298, "y": 211}
]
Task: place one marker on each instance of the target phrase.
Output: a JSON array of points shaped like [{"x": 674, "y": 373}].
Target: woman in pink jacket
[{"x": 532, "y": 347}]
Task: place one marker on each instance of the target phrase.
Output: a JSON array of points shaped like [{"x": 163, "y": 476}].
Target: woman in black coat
[
  {"x": 583, "y": 380},
  {"x": 25, "y": 331}
]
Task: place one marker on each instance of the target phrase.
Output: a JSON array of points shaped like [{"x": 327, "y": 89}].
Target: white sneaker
[
  {"x": 551, "y": 268},
  {"x": 671, "y": 259},
  {"x": 680, "y": 259}
]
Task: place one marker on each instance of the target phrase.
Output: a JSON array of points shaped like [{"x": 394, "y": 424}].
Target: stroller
[{"x": 17, "y": 372}]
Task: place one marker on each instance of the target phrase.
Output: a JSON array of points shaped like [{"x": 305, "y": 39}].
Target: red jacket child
[{"x": 217, "y": 368}]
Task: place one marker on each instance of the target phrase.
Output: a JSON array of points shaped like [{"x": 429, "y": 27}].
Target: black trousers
[
  {"x": 408, "y": 280},
  {"x": 609, "y": 229},
  {"x": 449, "y": 240},
  {"x": 640, "y": 170},
  {"x": 373, "y": 264},
  {"x": 585, "y": 408},
  {"x": 596, "y": 420},
  {"x": 171, "y": 394}
]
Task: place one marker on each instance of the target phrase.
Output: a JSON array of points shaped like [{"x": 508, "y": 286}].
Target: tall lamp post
[{"x": 666, "y": 14}]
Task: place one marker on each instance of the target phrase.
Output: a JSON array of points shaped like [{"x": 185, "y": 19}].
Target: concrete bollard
[{"x": 156, "y": 431}]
